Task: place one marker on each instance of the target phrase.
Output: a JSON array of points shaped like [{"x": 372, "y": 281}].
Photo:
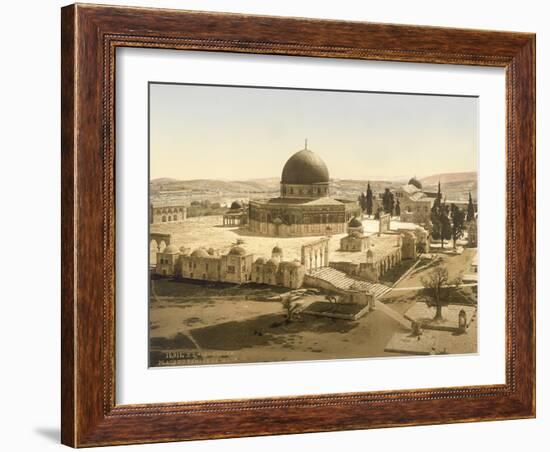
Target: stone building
[
  {"x": 382, "y": 258},
  {"x": 408, "y": 247},
  {"x": 415, "y": 203},
  {"x": 422, "y": 239},
  {"x": 237, "y": 215},
  {"x": 167, "y": 212},
  {"x": 237, "y": 266},
  {"x": 304, "y": 207},
  {"x": 277, "y": 272},
  {"x": 167, "y": 261},
  {"x": 356, "y": 240},
  {"x": 157, "y": 242},
  {"x": 234, "y": 267}
]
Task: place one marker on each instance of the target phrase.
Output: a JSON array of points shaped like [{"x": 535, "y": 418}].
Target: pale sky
[{"x": 238, "y": 133}]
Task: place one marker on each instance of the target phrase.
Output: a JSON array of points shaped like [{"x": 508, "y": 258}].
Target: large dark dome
[
  {"x": 305, "y": 167},
  {"x": 414, "y": 181}
]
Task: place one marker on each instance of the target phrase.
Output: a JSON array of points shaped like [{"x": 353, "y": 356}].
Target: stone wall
[
  {"x": 168, "y": 214},
  {"x": 295, "y": 230}
]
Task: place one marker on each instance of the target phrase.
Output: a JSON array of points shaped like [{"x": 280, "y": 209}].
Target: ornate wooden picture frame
[{"x": 90, "y": 37}]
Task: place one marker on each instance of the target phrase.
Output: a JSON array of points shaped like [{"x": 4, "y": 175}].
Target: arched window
[
  {"x": 169, "y": 217},
  {"x": 164, "y": 218},
  {"x": 175, "y": 218}
]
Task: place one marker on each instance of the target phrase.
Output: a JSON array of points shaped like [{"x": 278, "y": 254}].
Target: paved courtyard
[{"x": 207, "y": 232}]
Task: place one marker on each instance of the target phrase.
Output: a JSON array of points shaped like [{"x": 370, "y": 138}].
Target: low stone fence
[
  {"x": 347, "y": 267},
  {"x": 337, "y": 315}
]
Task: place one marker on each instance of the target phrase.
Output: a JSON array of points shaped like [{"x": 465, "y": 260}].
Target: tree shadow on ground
[
  {"x": 264, "y": 330},
  {"x": 175, "y": 342},
  {"x": 427, "y": 266}
]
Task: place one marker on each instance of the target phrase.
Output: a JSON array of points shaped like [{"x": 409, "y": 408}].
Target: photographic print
[{"x": 294, "y": 224}]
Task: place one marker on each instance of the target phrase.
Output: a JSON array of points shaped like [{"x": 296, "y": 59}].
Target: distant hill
[
  {"x": 447, "y": 178},
  {"x": 454, "y": 185},
  {"x": 216, "y": 186}
]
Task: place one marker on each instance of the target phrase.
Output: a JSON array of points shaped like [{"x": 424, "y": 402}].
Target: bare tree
[
  {"x": 438, "y": 290},
  {"x": 333, "y": 300},
  {"x": 290, "y": 309}
]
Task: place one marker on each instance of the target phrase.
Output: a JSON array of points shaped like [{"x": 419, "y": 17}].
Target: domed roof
[
  {"x": 305, "y": 167},
  {"x": 414, "y": 181},
  {"x": 260, "y": 260},
  {"x": 171, "y": 249},
  {"x": 356, "y": 234},
  {"x": 277, "y": 249},
  {"x": 355, "y": 223},
  {"x": 272, "y": 262},
  {"x": 237, "y": 251},
  {"x": 235, "y": 205},
  {"x": 200, "y": 252}
]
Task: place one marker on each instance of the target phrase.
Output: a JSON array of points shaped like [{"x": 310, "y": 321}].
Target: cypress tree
[
  {"x": 436, "y": 223},
  {"x": 458, "y": 225},
  {"x": 391, "y": 203},
  {"x": 438, "y": 198},
  {"x": 368, "y": 201},
  {"x": 445, "y": 224},
  {"x": 471, "y": 211},
  {"x": 386, "y": 201}
]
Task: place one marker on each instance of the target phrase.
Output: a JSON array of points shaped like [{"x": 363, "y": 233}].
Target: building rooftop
[
  {"x": 300, "y": 201},
  {"x": 238, "y": 251},
  {"x": 303, "y": 168}
]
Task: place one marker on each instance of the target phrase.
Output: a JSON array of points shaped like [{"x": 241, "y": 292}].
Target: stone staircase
[
  {"x": 344, "y": 282},
  {"x": 400, "y": 318}
]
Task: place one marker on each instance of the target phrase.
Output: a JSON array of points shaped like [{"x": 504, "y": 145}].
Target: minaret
[{"x": 305, "y": 145}]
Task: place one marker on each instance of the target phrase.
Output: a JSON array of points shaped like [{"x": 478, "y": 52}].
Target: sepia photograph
[{"x": 290, "y": 224}]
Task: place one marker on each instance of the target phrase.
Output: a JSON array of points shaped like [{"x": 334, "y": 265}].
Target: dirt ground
[
  {"x": 455, "y": 264},
  {"x": 213, "y": 327}
]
